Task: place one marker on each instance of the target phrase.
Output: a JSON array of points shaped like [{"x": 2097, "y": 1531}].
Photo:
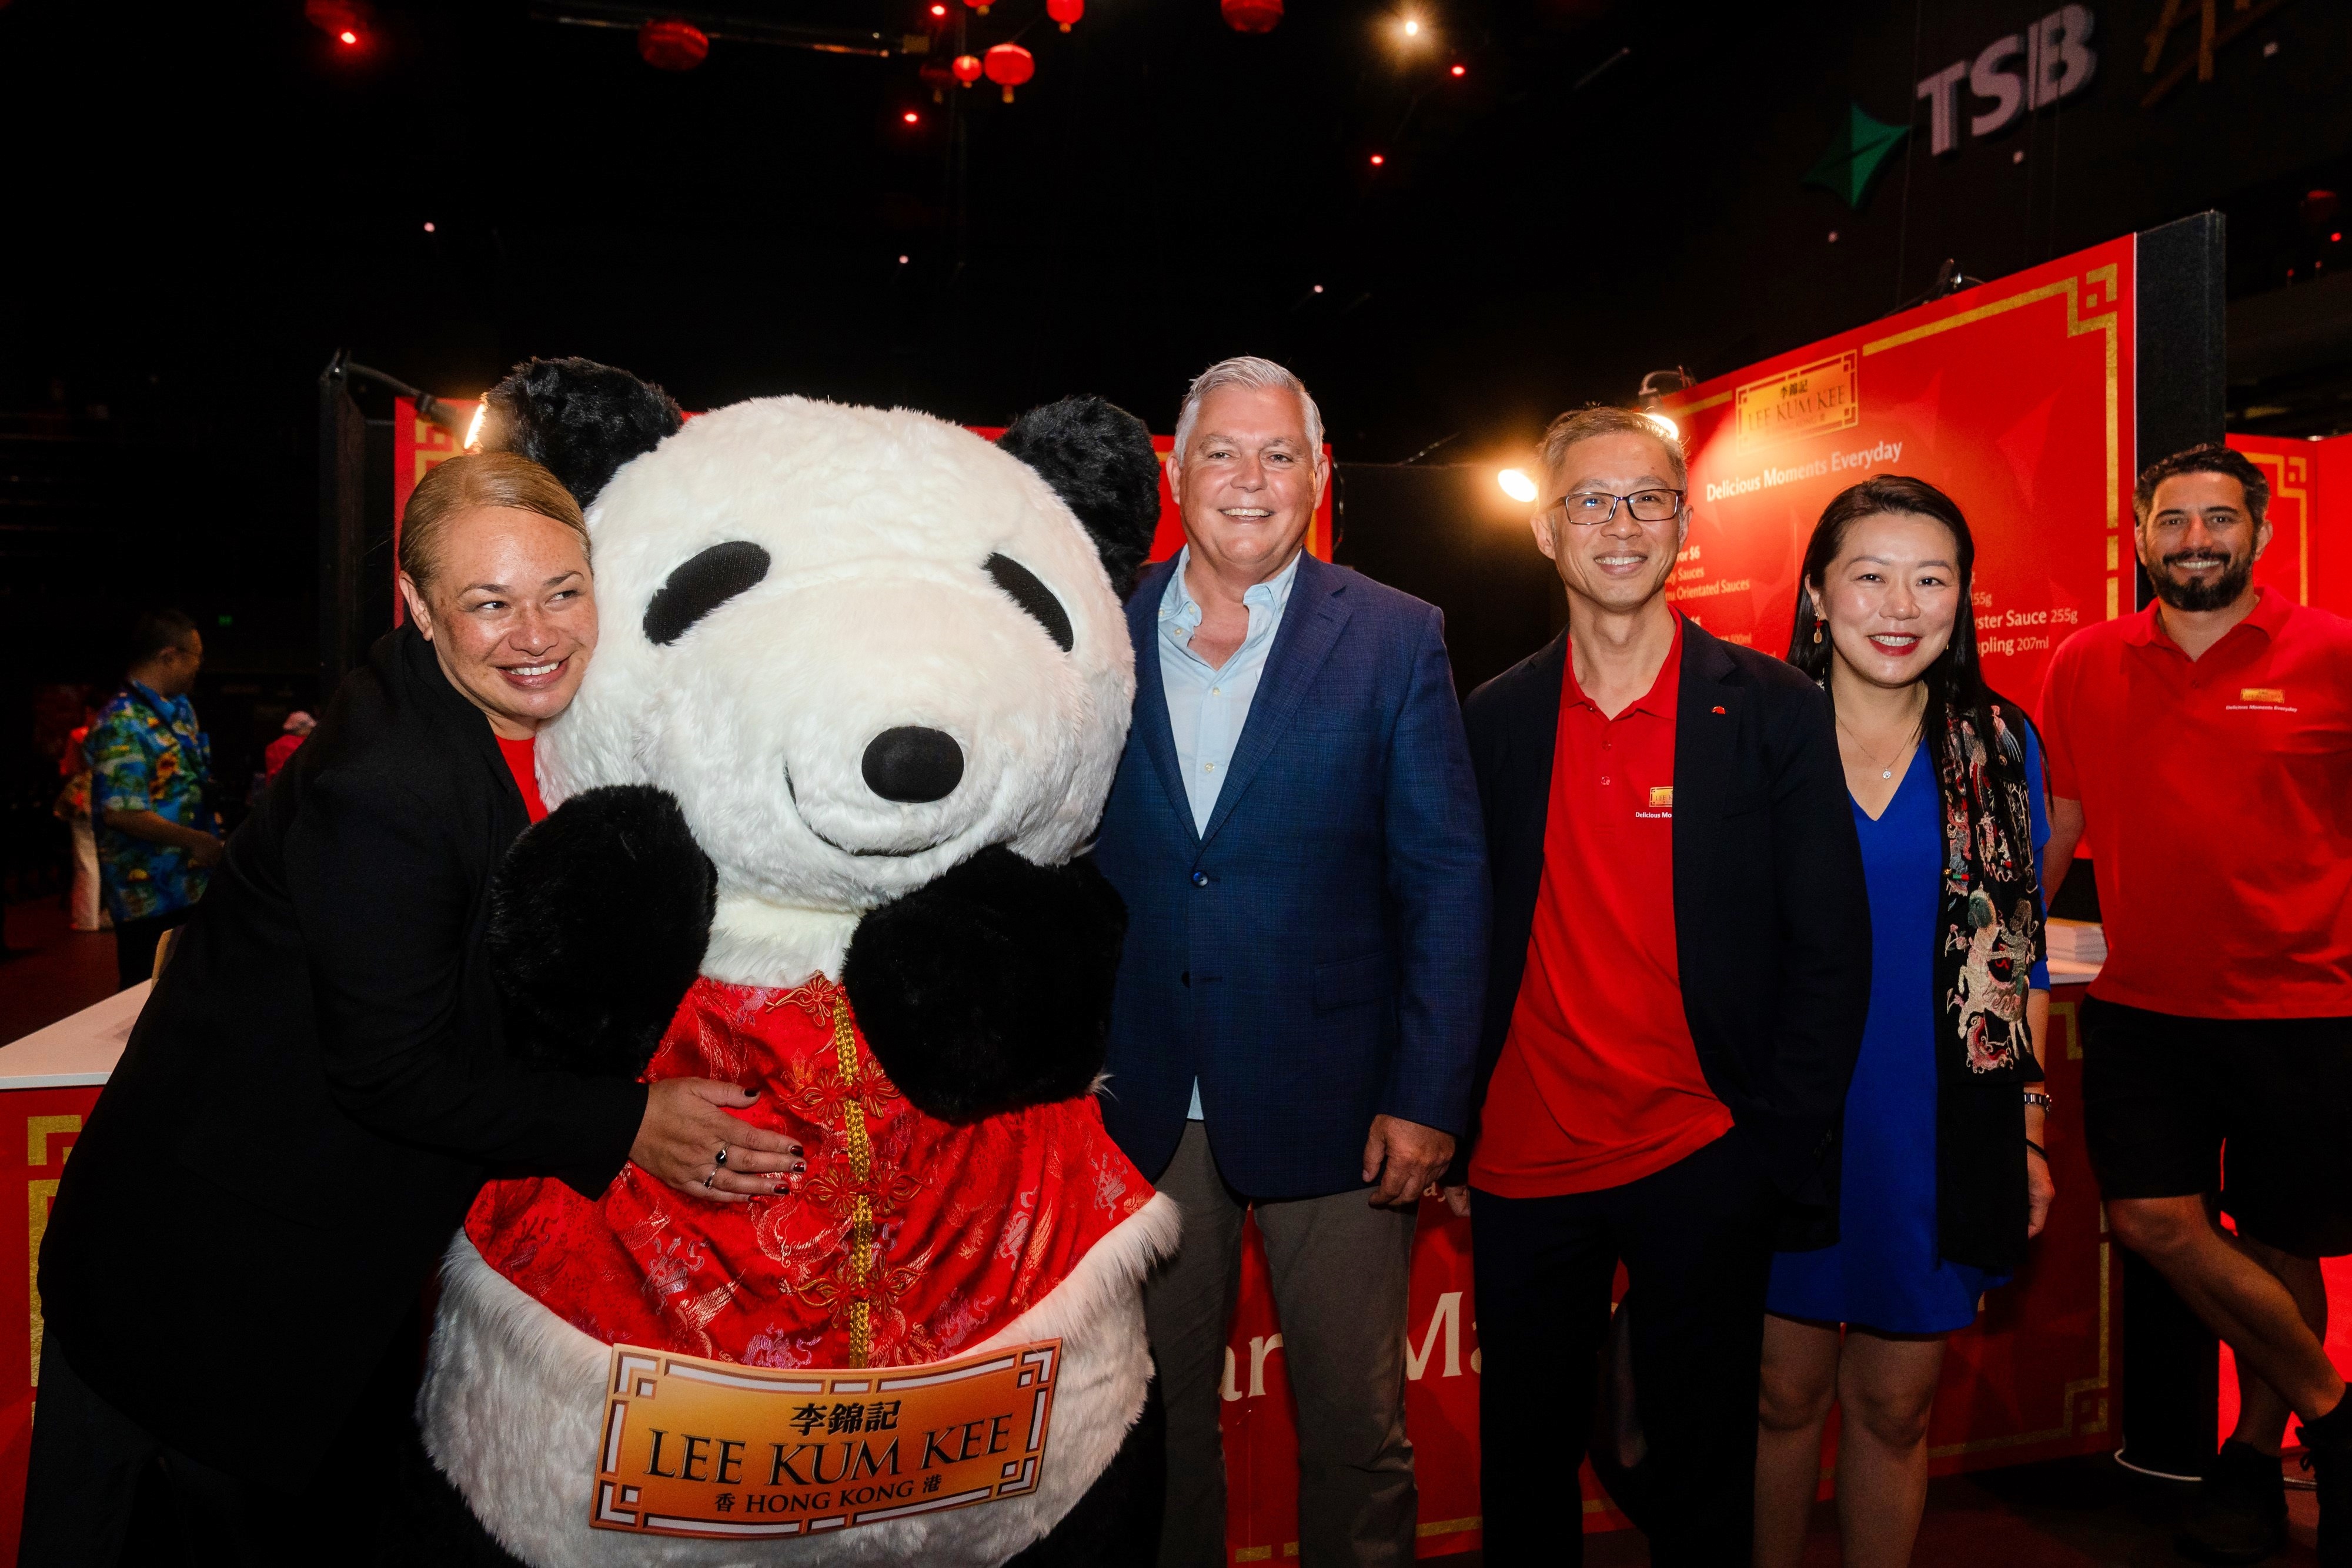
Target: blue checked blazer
[{"x": 1318, "y": 955}]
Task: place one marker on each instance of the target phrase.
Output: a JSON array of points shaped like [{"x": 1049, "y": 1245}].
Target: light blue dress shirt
[{"x": 1208, "y": 705}]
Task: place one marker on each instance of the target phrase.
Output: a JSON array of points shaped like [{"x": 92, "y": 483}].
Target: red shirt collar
[
  {"x": 2269, "y": 616},
  {"x": 1658, "y": 701}
]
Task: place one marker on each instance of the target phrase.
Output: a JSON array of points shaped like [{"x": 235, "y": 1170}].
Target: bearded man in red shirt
[
  {"x": 1677, "y": 985},
  {"x": 2204, "y": 749}
]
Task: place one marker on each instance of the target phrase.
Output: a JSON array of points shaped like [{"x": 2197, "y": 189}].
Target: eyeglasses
[{"x": 1591, "y": 508}]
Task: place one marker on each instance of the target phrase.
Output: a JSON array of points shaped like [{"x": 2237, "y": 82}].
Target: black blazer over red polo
[
  {"x": 1772, "y": 912},
  {"x": 314, "y": 1094}
]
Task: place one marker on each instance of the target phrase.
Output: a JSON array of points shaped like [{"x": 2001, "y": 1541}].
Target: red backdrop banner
[
  {"x": 2292, "y": 469},
  {"x": 2015, "y": 397},
  {"x": 44, "y": 1123}
]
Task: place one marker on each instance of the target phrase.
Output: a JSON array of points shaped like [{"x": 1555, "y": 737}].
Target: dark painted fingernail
[{"x": 801, "y": 1167}]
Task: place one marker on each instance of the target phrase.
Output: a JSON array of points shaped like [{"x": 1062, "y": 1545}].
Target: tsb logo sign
[{"x": 2050, "y": 61}]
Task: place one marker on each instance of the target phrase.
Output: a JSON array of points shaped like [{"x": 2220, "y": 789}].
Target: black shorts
[{"x": 2162, "y": 1095}]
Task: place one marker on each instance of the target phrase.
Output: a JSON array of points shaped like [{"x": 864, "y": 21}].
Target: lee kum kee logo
[
  {"x": 1662, "y": 795},
  {"x": 694, "y": 1446},
  {"x": 1812, "y": 400},
  {"x": 2263, "y": 695}
]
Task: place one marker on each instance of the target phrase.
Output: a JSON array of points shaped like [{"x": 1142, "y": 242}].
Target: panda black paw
[
  {"x": 599, "y": 917},
  {"x": 989, "y": 988}
]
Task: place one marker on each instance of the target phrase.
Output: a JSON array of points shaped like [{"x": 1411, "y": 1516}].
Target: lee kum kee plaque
[{"x": 710, "y": 1448}]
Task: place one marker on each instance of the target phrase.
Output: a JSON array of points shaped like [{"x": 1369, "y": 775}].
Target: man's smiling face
[
  {"x": 1247, "y": 481},
  {"x": 2199, "y": 543},
  {"x": 1621, "y": 564}
]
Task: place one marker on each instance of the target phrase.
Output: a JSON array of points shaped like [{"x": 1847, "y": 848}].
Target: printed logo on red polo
[{"x": 2261, "y": 699}]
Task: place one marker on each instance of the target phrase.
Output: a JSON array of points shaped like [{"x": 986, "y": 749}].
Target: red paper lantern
[
  {"x": 967, "y": 69},
  {"x": 979, "y": 6},
  {"x": 937, "y": 75},
  {"x": 1251, "y": 15},
  {"x": 1065, "y": 11},
  {"x": 672, "y": 44},
  {"x": 1010, "y": 65}
]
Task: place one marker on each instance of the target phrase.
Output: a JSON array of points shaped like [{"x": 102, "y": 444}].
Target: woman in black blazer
[{"x": 320, "y": 1083}]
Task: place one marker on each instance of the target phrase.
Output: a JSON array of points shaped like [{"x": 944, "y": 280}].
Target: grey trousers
[{"x": 1339, "y": 1269}]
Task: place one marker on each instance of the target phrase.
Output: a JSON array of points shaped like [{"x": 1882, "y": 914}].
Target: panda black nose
[{"x": 913, "y": 764}]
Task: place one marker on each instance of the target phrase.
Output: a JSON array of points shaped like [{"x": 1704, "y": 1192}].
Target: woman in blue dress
[{"x": 1944, "y": 1174}]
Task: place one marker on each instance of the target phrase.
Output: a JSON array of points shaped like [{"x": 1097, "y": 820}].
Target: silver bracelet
[{"x": 2036, "y": 1097}]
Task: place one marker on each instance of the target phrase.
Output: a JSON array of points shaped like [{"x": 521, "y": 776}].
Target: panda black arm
[
  {"x": 989, "y": 989},
  {"x": 599, "y": 917}
]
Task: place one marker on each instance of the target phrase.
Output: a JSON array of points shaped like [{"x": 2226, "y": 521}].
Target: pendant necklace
[{"x": 1908, "y": 742}]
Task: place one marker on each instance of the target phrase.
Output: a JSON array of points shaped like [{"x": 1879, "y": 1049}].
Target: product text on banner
[{"x": 710, "y": 1449}]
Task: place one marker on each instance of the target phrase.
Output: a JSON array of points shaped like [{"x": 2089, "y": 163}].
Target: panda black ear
[
  {"x": 579, "y": 419},
  {"x": 1098, "y": 459}
]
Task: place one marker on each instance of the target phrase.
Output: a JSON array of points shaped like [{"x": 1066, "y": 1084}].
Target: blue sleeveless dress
[{"x": 1885, "y": 1273}]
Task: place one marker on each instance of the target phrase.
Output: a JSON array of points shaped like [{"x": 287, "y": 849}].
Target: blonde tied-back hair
[{"x": 478, "y": 479}]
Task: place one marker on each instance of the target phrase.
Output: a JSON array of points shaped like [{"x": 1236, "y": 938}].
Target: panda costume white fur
[{"x": 861, "y": 686}]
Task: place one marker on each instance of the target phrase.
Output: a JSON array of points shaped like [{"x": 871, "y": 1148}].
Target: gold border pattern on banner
[
  {"x": 39, "y": 1195},
  {"x": 2292, "y": 466}
]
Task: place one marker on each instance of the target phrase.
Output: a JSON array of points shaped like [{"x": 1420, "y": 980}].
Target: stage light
[
  {"x": 938, "y": 10},
  {"x": 1517, "y": 485},
  {"x": 902, "y": 261},
  {"x": 1653, "y": 389},
  {"x": 348, "y": 37},
  {"x": 912, "y": 118},
  {"x": 1378, "y": 160},
  {"x": 1462, "y": 70},
  {"x": 1319, "y": 288},
  {"x": 428, "y": 225},
  {"x": 2336, "y": 238},
  {"x": 474, "y": 425},
  {"x": 1412, "y": 27}
]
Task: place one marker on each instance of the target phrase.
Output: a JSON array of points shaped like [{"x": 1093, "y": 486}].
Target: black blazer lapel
[
  {"x": 1310, "y": 630},
  {"x": 1708, "y": 713},
  {"x": 1151, "y": 722}
]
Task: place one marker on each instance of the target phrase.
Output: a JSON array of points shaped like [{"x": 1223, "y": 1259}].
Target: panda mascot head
[{"x": 861, "y": 683}]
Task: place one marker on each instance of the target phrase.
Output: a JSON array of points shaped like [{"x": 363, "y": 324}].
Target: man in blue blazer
[{"x": 1295, "y": 828}]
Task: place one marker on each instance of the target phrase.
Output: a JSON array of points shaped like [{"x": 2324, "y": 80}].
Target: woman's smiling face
[
  {"x": 1892, "y": 596},
  {"x": 511, "y": 614}
]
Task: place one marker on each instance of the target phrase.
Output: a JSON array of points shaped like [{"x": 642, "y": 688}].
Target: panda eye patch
[
  {"x": 1032, "y": 596},
  {"x": 700, "y": 585}
]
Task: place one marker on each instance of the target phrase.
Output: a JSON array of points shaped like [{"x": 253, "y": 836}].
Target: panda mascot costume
[{"x": 821, "y": 805}]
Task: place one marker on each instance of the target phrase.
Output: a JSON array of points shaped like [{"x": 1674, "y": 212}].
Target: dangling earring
[{"x": 1818, "y": 623}]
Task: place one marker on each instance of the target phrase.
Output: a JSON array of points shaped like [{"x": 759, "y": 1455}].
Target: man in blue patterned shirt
[{"x": 158, "y": 837}]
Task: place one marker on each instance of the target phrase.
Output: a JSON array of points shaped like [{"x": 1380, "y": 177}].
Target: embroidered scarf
[{"x": 1987, "y": 937}]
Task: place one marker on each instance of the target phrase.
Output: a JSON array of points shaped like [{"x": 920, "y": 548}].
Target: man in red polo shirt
[
  {"x": 1675, "y": 994},
  {"x": 2204, "y": 746}
]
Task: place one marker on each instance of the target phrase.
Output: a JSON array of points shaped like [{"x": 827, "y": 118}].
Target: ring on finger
[
  {"x": 710, "y": 1178},
  {"x": 722, "y": 1154}
]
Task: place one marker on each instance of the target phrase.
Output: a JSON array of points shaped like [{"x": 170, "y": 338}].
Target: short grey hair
[
  {"x": 1248, "y": 370},
  {"x": 1585, "y": 424}
]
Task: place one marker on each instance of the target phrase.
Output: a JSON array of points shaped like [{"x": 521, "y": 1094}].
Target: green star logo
[{"x": 1855, "y": 156}]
